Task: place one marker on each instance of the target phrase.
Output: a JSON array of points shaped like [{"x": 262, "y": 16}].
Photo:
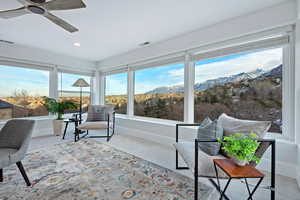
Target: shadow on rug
[{"x": 92, "y": 170}]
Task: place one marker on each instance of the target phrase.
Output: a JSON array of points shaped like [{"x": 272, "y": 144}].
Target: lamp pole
[
  {"x": 80, "y": 109},
  {"x": 80, "y": 83}
]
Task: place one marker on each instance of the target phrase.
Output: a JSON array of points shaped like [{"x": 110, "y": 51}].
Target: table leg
[
  {"x": 226, "y": 186},
  {"x": 255, "y": 188},
  {"x": 222, "y": 193},
  {"x": 247, "y": 185},
  {"x": 217, "y": 176},
  {"x": 1, "y": 175},
  {"x": 65, "y": 131}
]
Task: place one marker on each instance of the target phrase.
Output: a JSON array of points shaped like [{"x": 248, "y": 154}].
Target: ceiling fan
[{"x": 42, "y": 7}]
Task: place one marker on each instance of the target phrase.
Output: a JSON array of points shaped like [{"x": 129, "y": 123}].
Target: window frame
[
  {"x": 13, "y": 64},
  {"x": 189, "y": 79},
  {"x": 59, "y": 90},
  {"x": 127, "y": 87},
  {"x": 157, "y": 64},
  {"x": 288, "y": 85}
]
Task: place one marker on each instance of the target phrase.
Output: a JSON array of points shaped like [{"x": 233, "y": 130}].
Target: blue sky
[
  {"x": 149, "y": 79},
  {"x": 36, "y": 81},
  {"x": 13, "y": 78}
]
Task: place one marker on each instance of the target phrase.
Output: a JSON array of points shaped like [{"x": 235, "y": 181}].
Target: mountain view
[
  {"x": 254, "y": 95},
  {"x": 219, "y": 81}
]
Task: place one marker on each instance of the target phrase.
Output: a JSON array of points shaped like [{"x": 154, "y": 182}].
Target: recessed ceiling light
[
  {"x": 76, "y": 44},
  {"x": 144, "y": 44}
]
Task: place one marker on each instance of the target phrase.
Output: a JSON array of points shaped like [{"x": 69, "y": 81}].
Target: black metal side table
[
  {"x": 237, "y": 172},
  {"x": 67, "y": 121}
]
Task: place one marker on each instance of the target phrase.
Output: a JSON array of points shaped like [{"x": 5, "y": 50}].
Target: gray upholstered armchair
[
  {"x": 100, "y": 117},
  {"x": 14, "y": 141}
]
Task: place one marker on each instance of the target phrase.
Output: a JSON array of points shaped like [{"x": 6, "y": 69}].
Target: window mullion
[
  {"x": 189, "y": 81},
  {"x": 53, "y": 83},
  {"x": 130, "y": 93}
]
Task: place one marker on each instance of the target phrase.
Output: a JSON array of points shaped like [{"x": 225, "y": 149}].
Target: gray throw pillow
[
  {"x": 99, "y": 112},
  {"x": 232, "y": 125},
  {"x": 209, "y": 130}
]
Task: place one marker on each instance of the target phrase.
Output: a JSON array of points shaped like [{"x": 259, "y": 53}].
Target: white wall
[
  {"x": 263, "y": 20},
  {"x": 29, "y": 55}
]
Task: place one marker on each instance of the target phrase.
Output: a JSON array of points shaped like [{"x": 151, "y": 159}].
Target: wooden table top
[{"x": 235, "y": 171}]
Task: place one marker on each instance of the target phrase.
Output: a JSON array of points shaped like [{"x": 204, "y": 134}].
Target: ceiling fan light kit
[{"x": 42, "y": 7}]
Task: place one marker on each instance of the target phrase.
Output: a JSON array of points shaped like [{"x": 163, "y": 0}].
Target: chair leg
[
  {"x": 107, "y": 139},
  {"x": 22, "y": 170},
  {"x": 1, "y": 175}
]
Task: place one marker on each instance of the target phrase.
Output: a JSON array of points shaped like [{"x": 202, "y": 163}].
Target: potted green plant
[
  {"x": 240, "y": 148},
  {"x": 58, "y": 108}
]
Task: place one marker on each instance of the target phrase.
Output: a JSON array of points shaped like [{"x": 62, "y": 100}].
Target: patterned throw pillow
[{"x": 209, "y": 130}]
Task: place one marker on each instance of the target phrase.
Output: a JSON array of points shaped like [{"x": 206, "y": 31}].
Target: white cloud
[{"x": 259, "y": 60}]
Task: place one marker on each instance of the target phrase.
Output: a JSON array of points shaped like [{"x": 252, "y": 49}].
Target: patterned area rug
[{"x": 92, "y": 170}]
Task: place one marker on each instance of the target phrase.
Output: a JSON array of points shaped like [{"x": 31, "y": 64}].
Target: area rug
[{"x": 92, "y": 170}]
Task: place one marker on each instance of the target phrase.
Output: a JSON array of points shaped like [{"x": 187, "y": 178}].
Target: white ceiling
[{"x": 111, "y": 27}]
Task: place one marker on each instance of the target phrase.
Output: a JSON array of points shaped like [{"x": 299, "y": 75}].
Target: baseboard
[{"x": 282, "y": 168}]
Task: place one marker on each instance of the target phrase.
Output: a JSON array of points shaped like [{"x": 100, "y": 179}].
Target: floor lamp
[{"x": 80, "y": 83}]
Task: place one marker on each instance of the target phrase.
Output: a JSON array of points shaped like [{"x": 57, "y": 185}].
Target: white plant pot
[
  {"x": 239, "y": 162},
  {"x": 57, "y": 127}
]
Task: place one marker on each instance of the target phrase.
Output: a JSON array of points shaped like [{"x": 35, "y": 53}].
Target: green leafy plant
[
  {"x": 58, "y": 107},
  {"x": 241, "y": 147}
]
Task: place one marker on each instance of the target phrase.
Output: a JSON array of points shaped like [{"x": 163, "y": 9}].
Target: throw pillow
[
  {"x": 232, "y": 125},
  {"x": 99, "y": 112},
  {"x": 209, "y": 130}
]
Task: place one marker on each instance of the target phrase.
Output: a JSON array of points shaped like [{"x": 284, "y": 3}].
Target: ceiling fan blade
[
  {"x": 63, "y": 5},
  {"x": 7, "y": 14},
  {"x": 58, "y": 21},
  {"x": 25, "y": 2}
]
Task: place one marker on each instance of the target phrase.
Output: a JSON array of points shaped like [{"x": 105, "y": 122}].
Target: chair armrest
[
  {"x": 111, "y": 116},
  {"x": 212, "y": 140},
  {"x": 186, "y": 125}
]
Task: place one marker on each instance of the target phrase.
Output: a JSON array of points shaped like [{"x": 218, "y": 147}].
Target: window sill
[
  {"x": 39, "y": 118},
  {"x": 149, "y": 120},
  {"x": 269, "y": 135}
]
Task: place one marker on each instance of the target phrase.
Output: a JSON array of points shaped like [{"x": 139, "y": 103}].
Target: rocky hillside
[{"x": 259, "y": 73}]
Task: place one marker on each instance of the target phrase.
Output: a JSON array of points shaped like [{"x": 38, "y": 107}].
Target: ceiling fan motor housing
[
  {"x": 36, "y": 10},
  {"x": 38, "y": 1}
]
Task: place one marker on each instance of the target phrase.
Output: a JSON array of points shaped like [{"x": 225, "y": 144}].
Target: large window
[
  {"x": 69, "y": 93},
  {"x": 116, "y": 92},
  {"x": 22, "y": 91},
  {"x": 245, "y": 86},
  {"x": 159, "y": 92}
]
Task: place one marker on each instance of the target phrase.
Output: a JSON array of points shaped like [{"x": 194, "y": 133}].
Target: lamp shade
[{"x": 80, "y": 83}]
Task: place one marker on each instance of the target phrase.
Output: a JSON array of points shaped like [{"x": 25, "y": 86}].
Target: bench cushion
[
  {"x": 205, "y": 161},
  {"x": 93, "y": 125}
]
